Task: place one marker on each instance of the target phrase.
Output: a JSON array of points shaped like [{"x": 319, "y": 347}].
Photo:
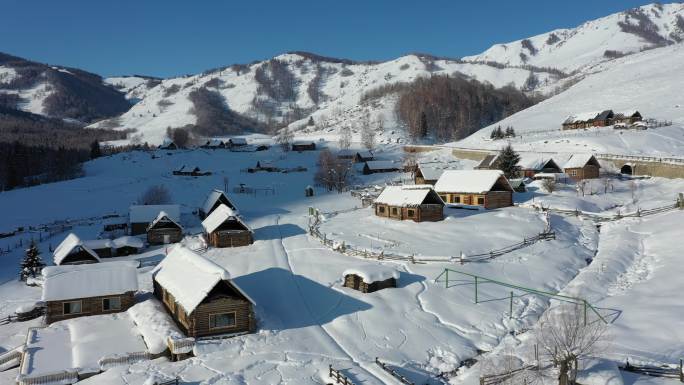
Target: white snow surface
[
  {"x": 467, "y": 181},
  {"x": 89, "y": 280},
  {"x": 127, "y": 240},
  {"x": 372, "y": 273}
]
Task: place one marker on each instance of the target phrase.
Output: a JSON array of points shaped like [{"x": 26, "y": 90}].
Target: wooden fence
[
  {"x": 124, "y": 359},
  {"x": 339, "y": 377},
  {"x": 393, "y": 372},
  {"x": 314, "y": 231},
  {"x": 492, "y": 379},
  {"x": 654, "y": 371},
  {"x": 180, "y": 345},
  {"x": 20, "y": 317},
  {"x": 639, "y": 158},
  {"x": 61, "y": 377},
  {"x": 11, "y": 358},
  {"x": 609, "y": 218}
]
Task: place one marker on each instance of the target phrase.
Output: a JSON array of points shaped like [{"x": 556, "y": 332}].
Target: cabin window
[
  {"x": 381, "y": 209},
  {"x": 456, "y": 199},
  {"x": 573, "y": 172},
  {"x": 411, "y": 213},
  {"x": 222, "y": 320},
  {"x": 394, "y": 211},
  {"x": 480, "y": 200},
  {"x": 109, "y": 304},
  {"x": 72, "y": 307}
]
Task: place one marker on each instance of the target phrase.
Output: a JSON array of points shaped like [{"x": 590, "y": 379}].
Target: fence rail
[
  {"x": 493, "y": 379},
  {"x": 11, "y": 358},
  {"x": 314, "y": 231},
  {"x": 393, "y": 372},
  {"x": 679, "y": 204},
  {"x": 339, "y": 377},
  {"x": 654, "y": 371},
  {"x": 61, "y": 377},
  {"x": 651, "y": 159},
  {"x": 125, "y": 359}
]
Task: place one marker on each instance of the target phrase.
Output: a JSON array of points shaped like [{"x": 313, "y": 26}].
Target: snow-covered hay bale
[{"x": 370, "y": 278}]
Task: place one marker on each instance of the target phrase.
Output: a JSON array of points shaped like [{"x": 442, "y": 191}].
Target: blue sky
[{"x": 166, "y": 38}]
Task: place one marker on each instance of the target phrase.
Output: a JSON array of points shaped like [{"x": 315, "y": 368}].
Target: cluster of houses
[
  {"x": 601, "y": 119},
  {"x": 576, "y": 166},
  {"x": 233, "y": 144}
]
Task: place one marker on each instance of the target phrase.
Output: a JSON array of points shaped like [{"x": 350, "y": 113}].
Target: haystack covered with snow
[{"x": 370, "y": 278}]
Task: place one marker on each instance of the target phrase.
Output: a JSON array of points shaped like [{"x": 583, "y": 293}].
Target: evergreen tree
[
  {"x": 510, "y": 132},
  {"x": 492, "y": 135},
  {"x": 508, "y": 161},
  {"x": 32, "y": 264},
  {"x": 310, "y": 122},
  {"x": 95, "y": 151}
]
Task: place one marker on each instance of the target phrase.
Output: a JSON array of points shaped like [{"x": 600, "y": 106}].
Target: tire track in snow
[{"x": 329, "y": 336}]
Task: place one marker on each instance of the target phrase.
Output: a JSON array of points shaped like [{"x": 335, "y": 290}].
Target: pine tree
[
  {"x": 492, "y": 135},
  {"x": 95, "y": 151},
  {"x": 311, "y": 121},
  {"x": 510, "y": 132},
  {"x": 508, "y": 161},
  {"x": 32, "y": 264}
]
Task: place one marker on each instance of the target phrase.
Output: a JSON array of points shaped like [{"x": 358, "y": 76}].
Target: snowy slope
[
  {"x": 336, "y": 85},
  {"x": 650, "y": 82},
  {"x": 134, "y": 86},
  {"x": 572, "y": 49}
]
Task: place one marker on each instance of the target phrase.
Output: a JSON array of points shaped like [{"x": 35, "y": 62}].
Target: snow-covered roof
[
  {"x": 381, "y": 165},
  {"x": 148, "y": 213},
  {"x": 90, "y": 280},
  {"x": 238, "y": 140},
  {"x": 530, "y": 161},
  {"x": 373, "y": 273},
  {"x": 430, "y": 173},
  {"x": 214, "y": 143},
  {"x": 582, "y": 117},
  {"x": 161, "y": 216},
  {"x": 364, "y": 154},
  {"x": 404, "y": 196},
  {"x": 212, "y": 198},
  {"x": 577, "y": 161},
  {"x": 98, "y": 243},
  {"x": 220, "y": 215},
  {"x": 627, "y": 113},
  {"x": 189, "y": 277},
  {"x": 69, "y": 243},
  {"x": 127, "y": 241},
  {"x": 467, "y": 181}
]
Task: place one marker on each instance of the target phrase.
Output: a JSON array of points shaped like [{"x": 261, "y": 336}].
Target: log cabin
[
  {"x": 72, "y": 251},
  {"x": 531, "y": 164},
  {"x": 426, "y": 175},
  {"x": 168, "y": 145},
  {"x": 482, "y": 188},
  {"x": 589, "y": 119},
  {"x": 200, "y": 296},
  {"x": 127, "y": 245},
  {"x": 419, "y": 203},
  {"x": 518, "y": 185},
  {"x": 303, "y": 146},
  {"x": 224, "y": 228},
  {"x": 84, "y": 290},
  {"x": 370, "y": 278},
  {"x": 582, "y": 166},
  {"x": 140, "y": 216},
  {"x": 378, "y": 166},
  {"x": 214, "y": 200},
  {"x": 164, "y": 230},
  {"x": 627, "y": 117}
]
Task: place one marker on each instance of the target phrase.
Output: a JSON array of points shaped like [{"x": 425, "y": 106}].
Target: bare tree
[
  {"x": 380, "y": 122},
  {"x": 606, "y": 185},
  {"x": 565, "y": 336},
  {"x": 155, "y": 195},
  {"x": 633, "y": 190},
  {"x": 345, "y": 137},
  {"x": 581, "y": 186},
  {"x": 549, "y": 185},
  {"x": 410, "y": 163},
  {"x": 284, "y": 139},
  {"x": 333, "y": 173},
  {"x": 368, "y": 136}
]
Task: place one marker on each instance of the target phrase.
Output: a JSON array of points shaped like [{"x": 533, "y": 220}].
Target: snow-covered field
[{"x": 307, "y": 320}]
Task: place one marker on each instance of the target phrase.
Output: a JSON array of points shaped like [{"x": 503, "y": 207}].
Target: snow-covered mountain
[
  {"x": 55, "y": 91},
  {"x": 595, "y": 41},
  {"x": 293, "y": 87}
]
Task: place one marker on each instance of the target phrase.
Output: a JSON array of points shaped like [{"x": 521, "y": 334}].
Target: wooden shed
[
  {"x": 215, "y": 199},
  {"x": 627, "y": 117},
  {"x": 140, "y": 216},
  {"x": 379, "y": 166},
  {"x": 101, "y": 247},
  {"x": 582, "y": 166},
  {"x": 370, "y": 278},
  {"x": 237, "y": 142},
  {"x": 224, "y": 228},
  {"x": 200, "y": 296},
  {"x": 127, "y": 245},
  {"x": 72, "y": 251},
  {"x": 168, "y": 145},
  {"x": 531, "y": 164},
  {"x": 518, "y": 185},
  {"x": 484, "y": 188},
  {"x": 83, "y": 290},
  {"x": 419, "y": 203},
  {"x": 588, "y": 119},
  {"x": 164, "y": 230},
  {"x": 427, "y": 175},
  {"x": 303, "y": 146}
]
